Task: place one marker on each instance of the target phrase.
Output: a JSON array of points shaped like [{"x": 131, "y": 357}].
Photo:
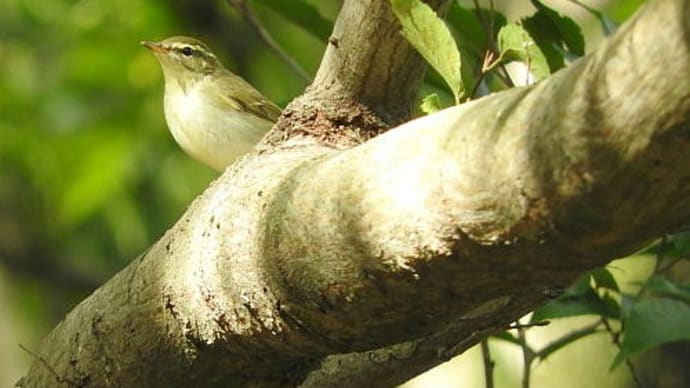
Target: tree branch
[
  {"x": 367, "y": 80},
  {"x": 430, "y": 236}
]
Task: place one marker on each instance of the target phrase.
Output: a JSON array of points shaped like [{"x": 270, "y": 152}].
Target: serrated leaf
[
  {"x": 428, "y": 34},
  {"x": 302, "y": 14},
  {"x": 651, "y": 322},
  {"x": 430, "y": 103},
  {"x": 557, "y": 36},
  {"x": 514, "y": 43},
  {"x": 562, "y": 30}
]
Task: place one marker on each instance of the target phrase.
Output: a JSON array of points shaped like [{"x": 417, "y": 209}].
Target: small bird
[{"x": 213, "y": 114}]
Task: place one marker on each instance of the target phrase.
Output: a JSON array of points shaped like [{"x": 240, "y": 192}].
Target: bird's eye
[{"x": 187, "y": 51}]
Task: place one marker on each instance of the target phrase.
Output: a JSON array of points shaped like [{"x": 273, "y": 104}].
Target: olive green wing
[{"x": 241, "y": 95}]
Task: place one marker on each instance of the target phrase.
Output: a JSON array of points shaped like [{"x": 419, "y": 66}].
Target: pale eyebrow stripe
[{"x": 179, "y": 46}]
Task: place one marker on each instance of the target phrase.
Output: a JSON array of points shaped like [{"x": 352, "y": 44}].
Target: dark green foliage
[
  {"x": 557, "y": 36},
  {"x": 651, "y": 322}
]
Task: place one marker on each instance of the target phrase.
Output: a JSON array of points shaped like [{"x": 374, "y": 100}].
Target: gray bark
[{"x": 317, "y": 264}]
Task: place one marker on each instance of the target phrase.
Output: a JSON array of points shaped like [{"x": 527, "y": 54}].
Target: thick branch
[
  {"x": 521, "y": 189},
  {"x": 451, "y": 225},
  {"x": 368, "y": 59},
  {"x": 367, "y": 81}
]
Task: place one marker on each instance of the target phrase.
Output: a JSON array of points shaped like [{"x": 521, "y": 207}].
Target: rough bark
[{"x": 408, "y": 248}]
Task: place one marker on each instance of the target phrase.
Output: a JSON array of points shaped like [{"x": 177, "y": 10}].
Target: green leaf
[
  {"x": 622, "y": 10},
  {"x": 472, "y": 34},
  {"x": 588, "y": 303},
  {"x": 674, "y": 246},
  {"x": 657, "y": 247},
  {"x": 669, "y": 289},
  {"x": 582, "y": 286},
  {"x": 472, "y": 38},
  {"x": 557, "y": 36},
  {"x": 603, "y": 279},
  {"x": 514, "y": 43},
  {"x": 562, "y": 31},
  {"x": 651, "y": 322},
  {"x": 302, "y": 14},
  {"x": 431, "y": 103},
  {"x": 681, "y": 243},
  {"x": 428, "y": 34}
]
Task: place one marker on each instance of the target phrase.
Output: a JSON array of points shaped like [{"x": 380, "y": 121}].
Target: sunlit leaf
[
  {"x": 428, "y": 34},
  {"x": 622, "y": 10},
  {"x": 514, "y": 43},
  {"x": 431, "y": 103},
  {"x": 471, "y": 29}
]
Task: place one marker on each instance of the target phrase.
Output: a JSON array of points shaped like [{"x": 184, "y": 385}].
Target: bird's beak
[{"x": 155, "y": 47}]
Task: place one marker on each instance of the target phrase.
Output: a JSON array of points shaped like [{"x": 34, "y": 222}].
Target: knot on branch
[{"x": 334, "y": 122}]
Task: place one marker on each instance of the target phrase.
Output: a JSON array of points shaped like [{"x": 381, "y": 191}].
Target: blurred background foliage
[{"x": 89, "y": 176}]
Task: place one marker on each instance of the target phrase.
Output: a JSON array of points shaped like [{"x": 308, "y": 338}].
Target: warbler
[{"x": 213, "y": 114}]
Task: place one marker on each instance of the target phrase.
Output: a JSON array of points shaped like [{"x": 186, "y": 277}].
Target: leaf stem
[{"x": 488, "y": 364}]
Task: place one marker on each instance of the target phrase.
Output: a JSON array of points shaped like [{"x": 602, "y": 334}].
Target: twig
[
  {"x": 491, "y": 57},
  {"x": 254, "y": 22},
  {"x": 671, "y": 264},
  {"x": 488, "y": 364},
  {"x": 527, "y": 357},
  {"x": 503, "y": 75},
  {"x": 615, "y": 337}
]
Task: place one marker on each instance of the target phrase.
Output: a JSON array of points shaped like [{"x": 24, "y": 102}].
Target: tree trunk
[{"x": 312, "y": 262}]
